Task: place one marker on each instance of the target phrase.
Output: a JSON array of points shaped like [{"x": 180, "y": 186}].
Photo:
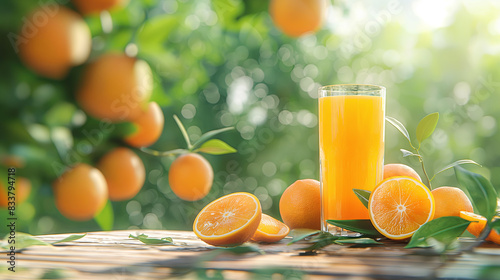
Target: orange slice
[
  {"x": 270, "y": 230},
  {"x": 229, "y": 221},
  {"x": 477, "y": 227},
  {"x": 398, "y": 206}
]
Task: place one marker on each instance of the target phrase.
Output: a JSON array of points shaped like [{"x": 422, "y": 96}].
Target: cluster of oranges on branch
[{"x": 114, "y": 88}]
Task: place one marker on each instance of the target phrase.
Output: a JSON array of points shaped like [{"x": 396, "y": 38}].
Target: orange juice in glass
[{"x": 351, "y": 144}]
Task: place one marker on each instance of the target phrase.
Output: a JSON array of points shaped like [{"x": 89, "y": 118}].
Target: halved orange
[
  {"x": 398, "y": 206},
  {"x": 230, "y": 220},
  {"x": 270, "y": 230},
  {"x": 479, "y": 222}
]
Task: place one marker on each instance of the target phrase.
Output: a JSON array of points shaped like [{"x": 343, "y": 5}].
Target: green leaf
[
  {"x": 363, "y": 240},
  {"x": 70, "y": 238},
  {"x": 444, "y": 230},
  {"x": 253, "y": 7},
  {"x": 399, "y": 126},
  {"x": 60, "y": 114},
  {"x": 489, "y": 271},
  {"x": 124, "y": 129},
  {"x": 363, "y": 196},
  {"x": 457, "y": 163},
  {"x": 407, "y": 153},
  {"x": 362, "y": 226},
  {"x": 299, "y": 234},
  {"x": 227, "y": 11},
  {"x": 152, "y": 241},
  {"x": 23, "y": 240},
  {"x": 210, "y": 134},
  {"x": 105, "y": 218},
  {"x": 158, "y": 94},
  {"x": 56, "y": 274},
  {"x": 155, "y": 31},
  {"x": 495, "y": 225},
  {"x": 482, "y": 193},
  {"x": 216, "y": 147},
  {"x": 322, "y": 240},
  {"x": 426, "y": 126},
  {"x": 242, "y": 249}
]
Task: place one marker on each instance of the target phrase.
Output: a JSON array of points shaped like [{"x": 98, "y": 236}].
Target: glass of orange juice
[{"x": 351, "y": 144}]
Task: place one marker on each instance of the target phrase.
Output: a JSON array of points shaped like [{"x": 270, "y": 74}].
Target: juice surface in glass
[{"x": 351, "y": 138}]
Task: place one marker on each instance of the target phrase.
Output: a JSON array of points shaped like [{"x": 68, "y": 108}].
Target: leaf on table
[
  {"x": 153, "y": 241},
  {"x": 363, "y": 195},
  {"x": 363, "y": 240},
  {"x": 399, "y": 126},
  {"x": 216, "y": 147},
  {"x": 489, "y": 271},
  {"x": 444, "y": 230},
  {"x": 242, "y": 249},
  {"x": 362, "y": 226},
  {"x": 56, "y": 274},
  {"x": 69, "y": 238},
  {"x": 23, "y": 240},
  {"x": 299, "y": 234},
  {"x": 426, "y": 126},
  {"x": 321, "y": 240},
  {"x": 483, "y": 195}
]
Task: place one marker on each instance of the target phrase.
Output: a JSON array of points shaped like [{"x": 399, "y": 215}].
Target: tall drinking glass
[{"x": 351, "y": 144}]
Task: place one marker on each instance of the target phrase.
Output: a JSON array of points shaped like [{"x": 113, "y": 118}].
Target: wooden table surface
[{"x": 113, "y": 255}]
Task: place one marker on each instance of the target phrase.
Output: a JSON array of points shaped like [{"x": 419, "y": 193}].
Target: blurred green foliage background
[{"x": 223, "y": 63}]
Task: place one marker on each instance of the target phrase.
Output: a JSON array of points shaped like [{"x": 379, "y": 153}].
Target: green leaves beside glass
[
  {"x": 319, "y": 239},
  {"x": 424, "y": 130}
]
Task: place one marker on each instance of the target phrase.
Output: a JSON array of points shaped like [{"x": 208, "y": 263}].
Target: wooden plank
[{"x": 102, "y": 255}]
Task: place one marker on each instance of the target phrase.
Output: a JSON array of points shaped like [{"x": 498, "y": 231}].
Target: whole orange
[
  {"x": 300, "y": 205},
  {"x": 398, "y": 169},
  {"x": 21, "y": 192},
  {"x": 96, "y": 6},
  {"x": 450, "y": 201},
  {"x": 53, "y": 38},
  {"x": 190, "y": 177},
  {"x": 297, "y": 17},
  {"x": 124, "y": 172},
  {"x": 81, "y": 192},
  {"x": 149, "y": 127},
  {"x": 115, "y": 87}
]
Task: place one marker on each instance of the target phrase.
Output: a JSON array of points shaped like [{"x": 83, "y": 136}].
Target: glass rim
[{"x": 354, "y": 89}]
